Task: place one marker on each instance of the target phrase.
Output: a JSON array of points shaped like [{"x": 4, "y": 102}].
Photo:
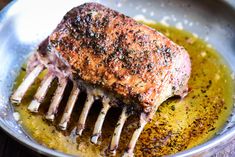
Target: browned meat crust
[{"x": 113, "y": 51}]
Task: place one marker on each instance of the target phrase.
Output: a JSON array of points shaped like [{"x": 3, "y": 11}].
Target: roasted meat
[
  {"x": 118, "y": 54},
  {"x": 132, "y": 65}
]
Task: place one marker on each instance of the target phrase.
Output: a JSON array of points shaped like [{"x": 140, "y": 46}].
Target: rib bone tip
[
  {"x": 94, "y": 138},
  {"x": 24, "y": 86},
  {"x": 33, "y": 107},
  {"x": 80, "y": 129},
  {"x": 112, "y": 152},
  {"x": 50, "y": 117},
  {"x": 15, "y": 100},
  {"x": 128, "y": 154},
  {"x": 63, "y": 126},
  {"x": 79, "y": 132}
]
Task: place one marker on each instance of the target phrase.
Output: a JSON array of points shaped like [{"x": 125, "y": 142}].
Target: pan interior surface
[{"x": 29, "y": 23}]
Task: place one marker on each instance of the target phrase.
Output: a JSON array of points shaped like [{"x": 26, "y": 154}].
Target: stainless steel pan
[{"x": 23, "y": 24}]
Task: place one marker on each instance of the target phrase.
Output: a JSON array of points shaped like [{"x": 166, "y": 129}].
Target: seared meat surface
[{"x": 110, "y": 50}]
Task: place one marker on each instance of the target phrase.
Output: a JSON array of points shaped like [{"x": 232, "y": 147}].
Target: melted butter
[{"x": 176, "y": 126}]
